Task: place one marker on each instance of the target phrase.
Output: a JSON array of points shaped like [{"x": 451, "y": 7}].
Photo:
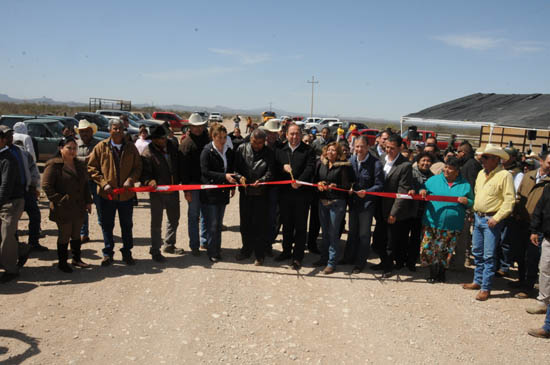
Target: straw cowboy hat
[
  {"x": 491, "y": 149},
  {"x": 84, "y": 124},
  {"x": 271, "y": 126},
  {"x": 196, "y": 120}
]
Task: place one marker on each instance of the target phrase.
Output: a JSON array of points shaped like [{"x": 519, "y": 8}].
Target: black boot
[
  {"x": 433, "y": 273},
  {"x": 441, "y": 274},
  {"x": 62, "y": 255},
  {"x": 75, "y": 250}
]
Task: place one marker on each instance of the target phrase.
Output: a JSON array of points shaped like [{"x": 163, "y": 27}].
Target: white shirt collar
[
  {"x": 293, "y": 149},
  {"x": 119, "y": 146},
  {"x": 363, "y": 160},
  {"x": 222, "y": 154},
  {"x": 3, "y": 149}
]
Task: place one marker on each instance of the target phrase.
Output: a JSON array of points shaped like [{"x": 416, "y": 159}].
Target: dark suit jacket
[
  {"x": 370, "y": 177},
  {"x": 302, "y": 161},
  {"x": 398, "y": 180}
]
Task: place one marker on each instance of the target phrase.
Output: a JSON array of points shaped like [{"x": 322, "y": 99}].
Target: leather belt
[{"x": 490, "y": 214}]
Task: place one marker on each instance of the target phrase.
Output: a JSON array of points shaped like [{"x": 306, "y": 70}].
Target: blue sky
[{"x": 372, "y": 58}]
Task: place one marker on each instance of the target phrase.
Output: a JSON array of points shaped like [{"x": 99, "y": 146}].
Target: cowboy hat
[
  {"x": 491, "y": 149},
  {"x": 271, "y": 126},
  {"x": 196, "y": 120},
  {"x": 84, "y": 124},
  {"x": 157, "y": 131}
]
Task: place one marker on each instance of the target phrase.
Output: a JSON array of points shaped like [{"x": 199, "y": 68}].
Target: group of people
[{"x": 324, "y": 179}]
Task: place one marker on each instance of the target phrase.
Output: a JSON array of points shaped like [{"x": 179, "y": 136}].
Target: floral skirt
[{"x": 438, "y": 246}]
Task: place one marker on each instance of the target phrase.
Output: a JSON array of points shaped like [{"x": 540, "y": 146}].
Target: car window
[{"x": 38, "y": 130}]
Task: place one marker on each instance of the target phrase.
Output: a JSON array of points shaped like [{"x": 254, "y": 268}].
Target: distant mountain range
[{"x": 4, "y": 98}]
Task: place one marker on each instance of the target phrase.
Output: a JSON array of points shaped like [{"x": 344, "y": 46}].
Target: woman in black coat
[{"x": 216, "y": 168}]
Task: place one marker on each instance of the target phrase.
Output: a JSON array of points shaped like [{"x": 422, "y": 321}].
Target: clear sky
[{"x": 372, "y": 58}]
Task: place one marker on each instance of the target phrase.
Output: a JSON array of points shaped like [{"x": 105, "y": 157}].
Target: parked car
[
  {"x": 204, "y": 115},
  {"x": 134, "y": 120},
  {"x": 176, "y": 122},
  {"x": 215, "y": 117},
  {"x": 142, "y": 115},
  {"x": 321, "y": 123},
  {"x": 48, "y": 133},
  {"x": 370, "y": 134},
  {"x": 302, "y": 123},
  {"x": 131, "y": 129},
  {"x": 10, "y": 119},
  {"x": 422, "y": 136},
  {"x": 345, "y": 126}
]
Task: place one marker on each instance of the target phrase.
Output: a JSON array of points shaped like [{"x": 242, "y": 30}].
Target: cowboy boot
[
  {"x": 77, "y": 260},
  {"x": 62, "y": 255}
]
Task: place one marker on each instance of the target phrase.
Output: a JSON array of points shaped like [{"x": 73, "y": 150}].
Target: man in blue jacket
[{"x": 369, "y": 177}]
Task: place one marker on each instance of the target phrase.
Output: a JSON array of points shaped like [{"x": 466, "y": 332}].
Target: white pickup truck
[{"x": 321, "y": 123}]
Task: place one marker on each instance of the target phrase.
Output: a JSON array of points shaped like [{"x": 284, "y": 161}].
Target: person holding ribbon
[
  {"x": 333, "y": 171},
  {"x": 162, "y": 165},
  {"x": 443, "y": 220},
  {"x": 216, "y": 168}
]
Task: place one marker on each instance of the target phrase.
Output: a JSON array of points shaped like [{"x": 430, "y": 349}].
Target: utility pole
[
  {"x": 270, "y": 106},
  {"x": 312, "y": 82}
]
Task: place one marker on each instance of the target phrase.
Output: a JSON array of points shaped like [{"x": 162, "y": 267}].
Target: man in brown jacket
[
  {"x": 115, "y": 163},
  {"x": 527, "y": 254}
]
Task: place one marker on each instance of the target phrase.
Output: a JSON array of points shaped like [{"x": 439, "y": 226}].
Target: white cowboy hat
[
  {"x": 491, "y": 149},
  {"x": 271, "y": 126},
  {"x": 196, "y": 120},
  {"x": 84, "y": 124}
]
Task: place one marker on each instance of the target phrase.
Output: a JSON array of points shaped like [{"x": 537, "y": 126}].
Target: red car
[
  {"x": 370, "y": 134},
  {"x": 176, "y": 122}
]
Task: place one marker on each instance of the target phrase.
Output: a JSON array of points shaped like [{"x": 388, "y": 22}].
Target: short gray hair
[
  {"x": 258, "y": 134},
  {"x": 115, "y": 121}
]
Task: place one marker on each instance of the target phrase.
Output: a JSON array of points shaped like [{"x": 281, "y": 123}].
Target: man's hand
[
  {"x": 108, "y": 189},
  {"x": 242, "y": 180},
  {"x": 463, "y": 200},
  {"x": 361, "y": 194},
  {"x": 153, "y": 184},
  {"x": 287, "y": 168},
  {"x": 89, "y": 208},
  {"x": 295, "y": 185},
  {"x": 129, "y": 183},
  {"x": 492, "y": 222},
  {"x": 333, "y": 185},
  {"x": 188, "y": 196},
  {"x": 391, "y": 219},
  {"x": 411, "y": 192},
  {"x": 230, "y": 179},
  {"x": 256, "y": 183},
  {"x": 424, "y": 193},
  {"x": 535, "y": 239}
]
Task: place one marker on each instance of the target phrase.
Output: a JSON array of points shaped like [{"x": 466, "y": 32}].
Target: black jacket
[
  {"x": 340, "y": 174},
  {"x": 470, "y": 169},
  {"x": 302, "y": 162},
  {"x": 156, "y": 167},
  {"x": 399, "y": 180},
  {"x": 540, "y": 220},
  {"x": 191, "y": 149},
  {"x": 11, "y": 186},
  {"x": 212, "y": 171},
  {"x": 373, "y": 150},
  {"x": 254, "y": 166}
]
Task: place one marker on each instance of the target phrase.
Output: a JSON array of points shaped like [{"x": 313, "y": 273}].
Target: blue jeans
[
  {"x": 546, "y": 325},
  {"x": 32, "y": 210},
  {"x": 195, "y": 219},
  {"x": 125, "y": 210},
  {"x": 213, "y": 217},
  {"x": 508, "y": 237},
  {"x": 484, "y": 243},
  {"x": 331, "y": 217},
  {"x": 358, "y": 243},
  {"x": 85, "y": 231}
]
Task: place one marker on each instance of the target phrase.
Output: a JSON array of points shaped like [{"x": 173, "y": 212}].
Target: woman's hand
[
  {"x": 361, "y": 193},
  {"x": 423, "y": 192},
  {"x": 411, "y": 192},
  {"x": 230, "y": 179},
  {"x": 333, "y": 185},
  {"x": 321, "y": 186},
  {"x": 232, "y": 193},
  {"x": 89, "y": 208}
]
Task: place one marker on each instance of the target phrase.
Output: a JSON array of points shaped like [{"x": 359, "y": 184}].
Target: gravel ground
[{"x": 189, "y": 311}]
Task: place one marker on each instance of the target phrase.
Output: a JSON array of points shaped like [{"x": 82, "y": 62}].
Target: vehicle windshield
[
  {"x": 56, "y": 128},
  {"x": 147, "y": 115}
]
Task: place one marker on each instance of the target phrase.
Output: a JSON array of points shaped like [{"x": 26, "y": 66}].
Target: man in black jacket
[
  {"x": 295, "y": 161},
  {"x": 395, "y": 214},
  {"x": 162, "y": 166},
  {"x": 12, "y": 203},
  {"x": 540, "y": 235},
  {"x": 253, "y": 164},
  {"x": 191, "y": 149}
]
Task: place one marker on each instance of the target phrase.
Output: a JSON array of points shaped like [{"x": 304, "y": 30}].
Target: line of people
[{"x": 86, "y": 172}]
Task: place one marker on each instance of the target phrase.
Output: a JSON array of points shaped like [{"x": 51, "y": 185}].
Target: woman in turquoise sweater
[{"x": 443, "y": 221}]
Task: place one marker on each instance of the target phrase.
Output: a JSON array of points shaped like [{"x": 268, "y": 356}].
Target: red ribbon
[{"x": 164, "y": 188}]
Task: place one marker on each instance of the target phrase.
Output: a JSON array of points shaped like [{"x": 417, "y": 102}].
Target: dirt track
[{"x": 188, "y": 311}]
